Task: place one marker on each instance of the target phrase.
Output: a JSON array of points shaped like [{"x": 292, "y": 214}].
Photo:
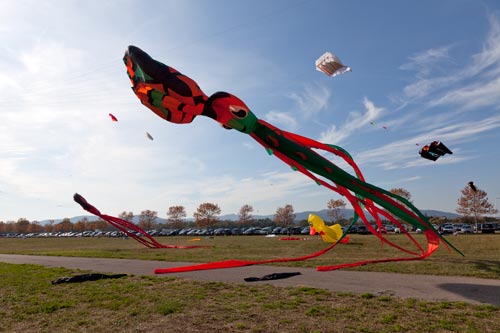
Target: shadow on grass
[
  {"x": 475, "y": 292},
  {"x": 488, "y": 266}
]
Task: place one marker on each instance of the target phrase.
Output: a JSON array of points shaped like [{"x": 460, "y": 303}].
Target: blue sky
[{"x": 428, "y": 70}]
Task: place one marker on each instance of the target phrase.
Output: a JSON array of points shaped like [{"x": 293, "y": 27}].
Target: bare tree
[
  {"x": 175, "y": 216},
  {"x": 127, "y": 216},
  {"x": 284, "y": 216},
  {"x": 147, "y": 219},
  {"x": 9, "y": 226},
  {"x": 64, "y": 226},
  {"x": 35, "y": 226},
  {"x": 22, "y": 226},
  {"x": 245, "y": 214},
  {"x": 206, "y": 214},
  {"x": 401, "y": 192},
  {"x": 49, "y": 226},
  {"x": 79, "y": 226},
  {"x": 335, "y": 208},
  {"x": 474, "y": 204}
]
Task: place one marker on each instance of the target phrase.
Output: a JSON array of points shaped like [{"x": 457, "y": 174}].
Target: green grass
[
  {"x": 30, "y": 303},
  {"x": 482, "y": 252}
]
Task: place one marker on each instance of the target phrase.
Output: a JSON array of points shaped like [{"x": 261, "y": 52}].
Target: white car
[{"x": 465, "y": 229}]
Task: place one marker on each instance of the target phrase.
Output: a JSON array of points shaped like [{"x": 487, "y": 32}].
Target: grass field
[
  {"x": 482, "y": 252},
  {"x": 30, "y": 303}
]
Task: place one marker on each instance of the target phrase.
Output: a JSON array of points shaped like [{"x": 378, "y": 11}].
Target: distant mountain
[
  {"x": 438, "y": 213},
  {"x": 346, "y": 213},
  {"x": 299, "y": 216}
]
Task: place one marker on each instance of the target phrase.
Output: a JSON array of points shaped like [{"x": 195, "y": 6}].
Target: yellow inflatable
[{"x": 329, "y": 234}]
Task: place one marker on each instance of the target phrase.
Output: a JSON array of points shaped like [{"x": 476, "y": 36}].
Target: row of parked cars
[
  {"x": 455, "y": 228},
  {"x": 448, "y": 228},
  {"x": 231, "y": 231}
]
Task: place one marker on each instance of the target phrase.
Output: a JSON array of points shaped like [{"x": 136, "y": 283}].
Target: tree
[
  {"x": 401, "y": 192},
  {"x": 35, "y": 226},
  {"x": 64, "y": 226},
  {"x": 245, "y": 214},
  {"x": 100, "y": 224},
  {"x": 335, "y": 208},
  {"x": 474, "y": 204},
  {"x": 49, "y": 226},
  {"x": 81, "y": 225},
  {"x": 206, "y": 214},
  {"x": 147, "y": 219},
  {"x": 284, "y": 216},
  {"x": 9, "y": 227},
  {"x": 22, "y": 226},
  {"x": 127, "y": 216},
  {"x": 175, "y": 216}
]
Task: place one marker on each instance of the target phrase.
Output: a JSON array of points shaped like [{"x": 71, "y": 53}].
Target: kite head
[{"x": 231, "y": 112}]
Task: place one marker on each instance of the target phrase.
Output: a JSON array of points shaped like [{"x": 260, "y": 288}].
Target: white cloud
[
  {"x": 403, "y": 153},
  {"x": 354, "y": 122},
  {"x": 282, "y": 118},
  {"x": 456, "y": 88},
  {"x": 51, "y": 59},
  {"x": 472, "y": 96},
  {"x": 312, "y": 100},
  {"x": 490, "y": 54},
  {"x": 424, "y": 62}
]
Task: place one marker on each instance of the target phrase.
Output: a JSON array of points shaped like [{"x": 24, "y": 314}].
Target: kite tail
[
  {"x": 127, "y": 227},
  {"x": 433, "y": 244},
  {"x": 238, "y": 263}
]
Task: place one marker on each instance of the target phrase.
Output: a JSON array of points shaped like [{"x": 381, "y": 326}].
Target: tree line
[{"x": 473, "y": 205}]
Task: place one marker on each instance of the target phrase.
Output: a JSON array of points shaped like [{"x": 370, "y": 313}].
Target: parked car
[
  {"x": 362, "y": 230},
  {"x": 465, "y": 229},
  {"x": 277, "y": 230},
  {"x": 386, "y": 229},
  {"x": 305, "y": 231},
  {"x": 447, "y": 229},
  {"x": 401, "y": 229},
  {"x": 487, "y": 228}
]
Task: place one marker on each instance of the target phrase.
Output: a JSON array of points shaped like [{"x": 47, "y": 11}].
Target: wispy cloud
[
  {"x": 312, "y": 100},
  {"x": 406, "y": 149},
  {"x": 425, "y": 62},
  {"x": 354, "y": 122},
  {"x": 458, "y": 88},
  {"x": 282, "y": 119},
  {"x": 265, "y": 190},
  {"x": 308, "y": 103},
  {"x": 472, "y": 96}
]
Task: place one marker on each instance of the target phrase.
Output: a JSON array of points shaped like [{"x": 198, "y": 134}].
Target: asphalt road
[{"x": 425, "y": 287}]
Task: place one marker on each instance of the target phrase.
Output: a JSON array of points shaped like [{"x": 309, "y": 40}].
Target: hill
[{"x": 299, "y": 216}]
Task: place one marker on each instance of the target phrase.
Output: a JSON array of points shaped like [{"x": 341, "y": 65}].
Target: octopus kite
[{"x": 178, "y": 99}]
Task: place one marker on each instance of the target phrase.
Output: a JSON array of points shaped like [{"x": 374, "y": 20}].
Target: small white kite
[{"x": 331, "y": 65}]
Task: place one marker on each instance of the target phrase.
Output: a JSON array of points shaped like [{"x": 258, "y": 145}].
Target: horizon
[{"x": 258, "y": 216}]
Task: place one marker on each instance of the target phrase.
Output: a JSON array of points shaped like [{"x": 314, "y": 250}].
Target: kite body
[
  {"x": 178, "y": 99},
  {"x": 331, "y": 65},
  {"x": 329, "y": 234},
  {"x": 434, "y": 150}
]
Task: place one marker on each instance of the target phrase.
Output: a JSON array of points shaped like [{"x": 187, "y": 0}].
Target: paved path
[{"x": 426, "y": 287}]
